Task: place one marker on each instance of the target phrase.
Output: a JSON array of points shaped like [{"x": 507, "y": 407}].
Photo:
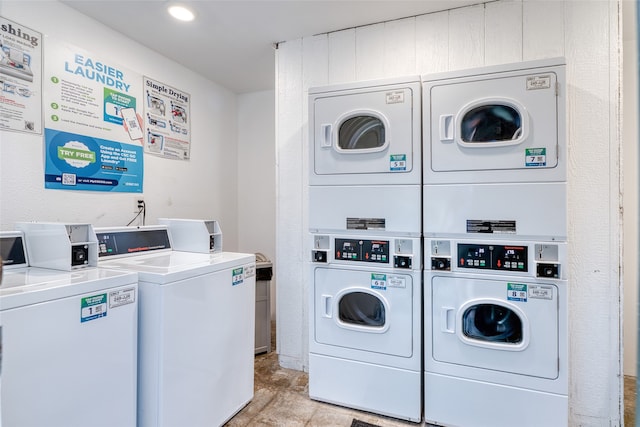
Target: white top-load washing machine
[
  {"x": 196, "y": 326},
  {"x": 68, "y": 339}
]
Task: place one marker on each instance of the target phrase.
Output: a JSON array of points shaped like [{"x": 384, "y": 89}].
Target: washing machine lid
[
  {"x": 167, "y": 267},
  {"x": 34, "y": 285}
]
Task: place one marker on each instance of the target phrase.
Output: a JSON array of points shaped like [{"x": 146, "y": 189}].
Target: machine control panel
[
  {"x": 123, "y": 242},
  {"x": 493, "y": 257},
  {"x": 375, "y": 251},
  {"x": 12, "y": 251}
]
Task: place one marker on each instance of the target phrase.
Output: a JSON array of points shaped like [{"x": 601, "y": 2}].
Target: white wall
[
  {"x": 588, "y": 35},
  {"x": 256, "y": 177},
  {"x": 204, "y": 187},
  {"x": 630, "y": 176}
]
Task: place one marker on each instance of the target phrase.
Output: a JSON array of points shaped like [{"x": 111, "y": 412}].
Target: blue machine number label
[
  {"x": 93, "y": 307},
  {"x": 237, "y": 276},
  {"x": 398, "y": 162},
  {"x": 378, "y": 281},
  {"x": 517, "y": 292}
]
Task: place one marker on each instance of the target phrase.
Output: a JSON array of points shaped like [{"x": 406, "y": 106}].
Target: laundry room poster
[
  {"x": 88, "y": 146},
  {"x": 20, "y": 78},
  {"x": 167, "y": 118}
]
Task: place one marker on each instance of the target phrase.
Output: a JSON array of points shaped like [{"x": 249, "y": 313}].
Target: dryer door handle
[
  {"x": 325, "y": 136},
  {"x": 447, "y": 322},
  {"x": 325, "y": 301},
  {"x": 446, "y": 127}
]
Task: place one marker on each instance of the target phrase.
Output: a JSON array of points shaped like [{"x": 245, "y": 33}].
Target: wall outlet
[{"x": 138, "y": 204}]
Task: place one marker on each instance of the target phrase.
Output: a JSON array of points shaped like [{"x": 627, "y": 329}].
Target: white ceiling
[{"x": 231, "y": 42}]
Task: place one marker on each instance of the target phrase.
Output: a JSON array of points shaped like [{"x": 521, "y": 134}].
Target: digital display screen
[
  {"x": 135, "y": 241},
  {"x": 12, "y": 251}
]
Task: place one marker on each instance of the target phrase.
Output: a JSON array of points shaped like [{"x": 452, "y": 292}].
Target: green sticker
[
  {"x": 535, "y": 157},
  {"x": 237, "y": 276},
  {"x": 517, "y": 292},
  {"x": 378, "y": 281},
  {"x": 93, "y": 307}
]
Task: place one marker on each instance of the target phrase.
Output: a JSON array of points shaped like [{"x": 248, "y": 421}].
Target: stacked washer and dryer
[
  {"x": 364, "y": 219},
  {"x": 493, "y": 213},
  {"x": 495, "y": 230}
]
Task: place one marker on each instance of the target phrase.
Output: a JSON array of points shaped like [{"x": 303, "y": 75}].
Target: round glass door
[
  {"x": 492, "y": 323},
  {"x": 361, "y": 133},
  {"x": 362, "y": 309},
  {"x": 491, "y": 123}
]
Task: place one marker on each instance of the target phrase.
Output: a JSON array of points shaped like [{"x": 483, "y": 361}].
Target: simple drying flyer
[
  {"x": 167, "y": 116},
  {"x": 20, "y": 78},
  {"x": 93, "y": 138}
]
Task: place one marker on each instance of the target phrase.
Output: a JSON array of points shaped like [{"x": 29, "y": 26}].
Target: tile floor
[
  {"x": 629, "y": 401},
  {"x": 282, "y": 399}
]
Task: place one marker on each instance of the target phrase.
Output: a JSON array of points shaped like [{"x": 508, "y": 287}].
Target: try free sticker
[
  {"x": 237, "y": 276},
  {"x": 93, "y": 307}
]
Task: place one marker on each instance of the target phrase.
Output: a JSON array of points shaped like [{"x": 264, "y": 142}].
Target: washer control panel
[
  {"x": 493, "y": 257},
  {"x": 376, "y": 251},
  {"x": 542, "y": 260},
  {"x": 400, "y": 253}
]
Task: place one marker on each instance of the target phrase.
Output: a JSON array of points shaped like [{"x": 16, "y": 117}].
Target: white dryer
[
  {"x": 196, "y": 326},
  {"x": 496, "y": 124},
  {"x": 68, "y": 343},
  {"x": 365, "y": 323},
  {"x": 496, "y": 334},
  {"x": 365, "y": 133},
  {"x": 495, "y": 147},
  {"x": 365, "y": 156}
]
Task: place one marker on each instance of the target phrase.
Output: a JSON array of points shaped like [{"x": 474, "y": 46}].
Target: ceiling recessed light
[{"x": 181, "y": 13}]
